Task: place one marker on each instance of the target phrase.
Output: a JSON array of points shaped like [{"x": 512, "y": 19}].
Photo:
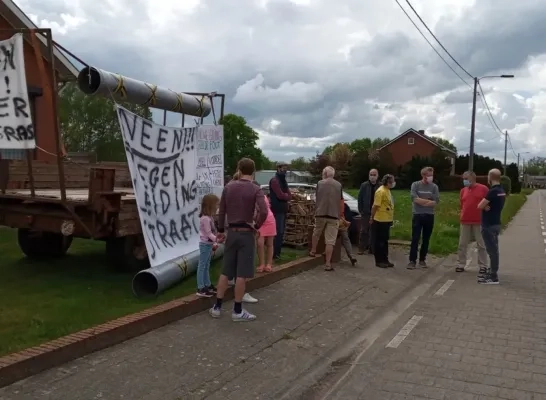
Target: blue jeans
[
  {"x": 280, "y": 222},
  {"x": 203, "y": 268},
  {"x": 421, "y": 224},
  {"x": 490, "y": 236}
]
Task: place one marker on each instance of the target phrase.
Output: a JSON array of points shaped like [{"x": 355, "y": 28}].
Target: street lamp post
[{"x": 473, "y": 124}]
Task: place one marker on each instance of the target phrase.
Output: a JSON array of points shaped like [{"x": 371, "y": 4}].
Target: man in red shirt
[{"x": 471, "y": 195}]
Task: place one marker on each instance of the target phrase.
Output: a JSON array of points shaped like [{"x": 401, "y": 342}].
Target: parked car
[{"x": 310, "y": 189}]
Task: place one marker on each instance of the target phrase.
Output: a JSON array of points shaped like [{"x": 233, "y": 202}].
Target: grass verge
[
  {"x": 445, "y": 237},
  {"x": 42, "y": 301}
]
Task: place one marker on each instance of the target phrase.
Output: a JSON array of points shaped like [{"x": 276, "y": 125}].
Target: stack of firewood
[{"x": 301, "y": 214}]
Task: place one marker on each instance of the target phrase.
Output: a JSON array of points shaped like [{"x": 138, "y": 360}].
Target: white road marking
[
  {"x": 404, "y": 332},
  {"x": 443, "y": 289}
]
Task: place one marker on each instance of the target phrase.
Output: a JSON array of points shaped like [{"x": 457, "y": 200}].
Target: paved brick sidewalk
[
  {"x": 299, "y": 320},
  {"x": 473, "y": 342}
]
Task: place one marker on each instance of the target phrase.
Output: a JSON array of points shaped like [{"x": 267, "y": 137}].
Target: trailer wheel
[
  {"x": 128, "y": 253},
  {"x": 43, "y": 245}
]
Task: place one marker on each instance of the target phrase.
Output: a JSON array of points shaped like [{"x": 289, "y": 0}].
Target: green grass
[
  {"x": 445, "y": 237},
  {"x": 42, "y": 301}
]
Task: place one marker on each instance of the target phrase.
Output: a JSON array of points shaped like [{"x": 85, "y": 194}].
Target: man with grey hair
[
  {"x": 424, "y": 196},
  {"x": 329, "y": 209},
  {"x": 491, "y": 207},
  {"x": 471, "y": 217},
  {"x": 365, "y": 202}
]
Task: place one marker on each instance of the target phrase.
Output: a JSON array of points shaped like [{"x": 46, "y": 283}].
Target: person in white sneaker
[
  {"x": 240, "y": 198},
  {"x": 247, "y": 298}
]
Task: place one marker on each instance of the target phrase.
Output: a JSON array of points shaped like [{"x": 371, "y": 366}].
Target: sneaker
[
  {"x": 390, "y": 265},
  {"x": 212, "y": 289},
  {"x": 411, "y": 265},
  {"x": 247, "y": 298},
  {"x": 215, "y": 312},
  {"x": 204, "y": 292},
  {"x": 243, "y": 316},
  {"x": 488, "y": 280},
  {"x": 482, "y": 272},
  {"x": 423, "y": 264},
  {"x": 382, "y": 265},
  {"x": 353, "y": 261}
]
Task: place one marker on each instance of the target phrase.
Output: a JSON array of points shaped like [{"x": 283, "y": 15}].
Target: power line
[
  {"x": 438, "y": 41},
  {"x": 433, "y": 48},
  {"x": 484, "y": 100},
  {"x": 492, "y": 119}
]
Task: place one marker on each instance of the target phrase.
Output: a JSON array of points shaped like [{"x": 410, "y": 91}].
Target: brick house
[
  {"x": 11, "y": 19},
  {"x": 415, "y": 143}
]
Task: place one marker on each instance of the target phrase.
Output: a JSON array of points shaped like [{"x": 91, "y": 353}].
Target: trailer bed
[{"x": 72, "y": 195}]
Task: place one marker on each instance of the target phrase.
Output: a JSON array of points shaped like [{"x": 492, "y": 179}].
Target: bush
[
  {"x": 506, "y": 184},
  {"x": 450, "y": 183}
]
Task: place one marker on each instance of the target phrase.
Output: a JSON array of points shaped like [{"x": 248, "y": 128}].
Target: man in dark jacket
[
  {"x": 365, "y": 202},
  {"x": 279, "y": 196}
]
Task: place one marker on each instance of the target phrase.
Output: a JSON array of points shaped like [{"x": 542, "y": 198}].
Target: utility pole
[
  {"x": 473, "y": 127},
  {"x": 505, "y": 149}
]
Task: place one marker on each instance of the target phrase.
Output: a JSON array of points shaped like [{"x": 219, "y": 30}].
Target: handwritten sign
[
  {"x": 16, "y": 128},
  {"x": 162, "y": 163},
  {"x": 210, "y": 160}
]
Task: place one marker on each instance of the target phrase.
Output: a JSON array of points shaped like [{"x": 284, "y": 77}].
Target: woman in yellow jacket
[{"x": 381, "y": 221}]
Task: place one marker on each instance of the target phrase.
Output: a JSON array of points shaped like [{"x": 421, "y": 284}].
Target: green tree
[
  {"x": 536, "y": 166},
  {"x": 90, "y": 124},
  {"x": 360, "y": 145},
  {"x": 299, "y": 164},
  {"x": 379, "y": 142},
  {"x": 444, "y": 142},
  {"x": 240, "y": 140}
]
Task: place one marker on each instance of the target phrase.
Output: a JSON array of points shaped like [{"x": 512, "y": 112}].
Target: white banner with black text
[
  {"x": 210, "y": 160},
  {"x": 162, "y": 162},
  {"x": 16, "y": 129}
]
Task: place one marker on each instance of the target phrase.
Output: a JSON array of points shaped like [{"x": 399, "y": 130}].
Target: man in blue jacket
[{"x": 365, "y": 202}]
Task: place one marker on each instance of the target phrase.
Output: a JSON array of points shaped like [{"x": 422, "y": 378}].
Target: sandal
[
  {"x": 459, "y": 269},
  {"x": 328, "y": 268},
  {"x": 310, "y": 254},
  {"x": 260, "y": 269},
  {"x": 268, "y": 268}
]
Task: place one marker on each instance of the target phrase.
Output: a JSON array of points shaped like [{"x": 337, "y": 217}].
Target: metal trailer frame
[{"x": 47, "y": 224}]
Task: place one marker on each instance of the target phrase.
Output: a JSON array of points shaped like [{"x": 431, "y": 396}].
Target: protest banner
[
  {"x": 210, "y": 160},
  {"x": 162, "y": 163},
  {"x": 16, "y": 128}
]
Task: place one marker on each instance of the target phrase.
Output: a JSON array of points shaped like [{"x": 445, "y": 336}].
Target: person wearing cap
[{"x": 279, "y": 195}]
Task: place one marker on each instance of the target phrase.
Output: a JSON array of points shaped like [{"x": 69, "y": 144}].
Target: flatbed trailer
[{"x": 98, "y": 203}]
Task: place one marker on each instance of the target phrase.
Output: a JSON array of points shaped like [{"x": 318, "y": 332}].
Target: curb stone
[{"x": 31, "y": 361}]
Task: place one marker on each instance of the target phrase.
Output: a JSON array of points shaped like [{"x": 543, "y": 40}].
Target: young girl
[
  {"x": 268, "y": 231},
  {"x": 207, "y": 244}
]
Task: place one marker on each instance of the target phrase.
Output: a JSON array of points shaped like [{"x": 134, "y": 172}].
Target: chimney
[{"x": 421, "y": 132}]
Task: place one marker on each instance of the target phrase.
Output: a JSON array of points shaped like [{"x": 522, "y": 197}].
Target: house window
[{"x": 411, "y": 140}]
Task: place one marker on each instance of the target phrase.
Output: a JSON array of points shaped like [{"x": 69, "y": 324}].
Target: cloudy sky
[{"x": 309, "y": 73}]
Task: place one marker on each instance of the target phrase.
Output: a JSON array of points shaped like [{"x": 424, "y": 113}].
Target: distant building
[
  {"x": 264, "y": 176},
  {"x": 415, "y": 143}
]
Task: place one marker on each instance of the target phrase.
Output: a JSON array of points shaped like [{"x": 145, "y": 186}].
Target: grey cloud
[{"x": 222, "y": 46}]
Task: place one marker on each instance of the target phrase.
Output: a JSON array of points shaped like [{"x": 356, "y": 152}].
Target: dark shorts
[{"x": 239, "y": 254}]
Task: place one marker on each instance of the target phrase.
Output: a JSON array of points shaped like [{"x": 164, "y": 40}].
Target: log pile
[{"x": 301, "y": 214}]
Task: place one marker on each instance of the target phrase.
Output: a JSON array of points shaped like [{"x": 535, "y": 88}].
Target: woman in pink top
[
  {"x": 208, "y": 242},
  {"x": 268, "y": 231}
]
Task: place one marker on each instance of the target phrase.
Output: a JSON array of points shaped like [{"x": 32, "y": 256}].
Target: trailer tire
[
  {"x": 127, "y": 253},
  {"x": 43, "y": 245}
]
